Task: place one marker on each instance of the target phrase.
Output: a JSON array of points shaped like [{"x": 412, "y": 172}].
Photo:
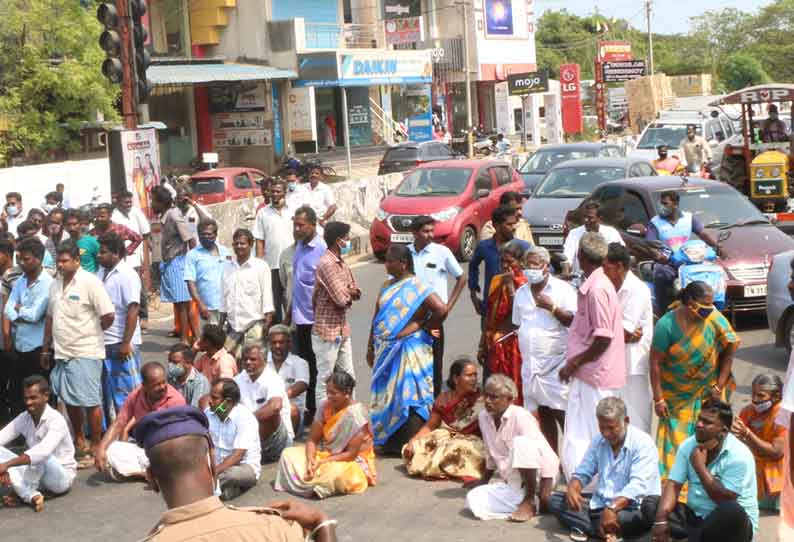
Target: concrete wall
[{"x": 357, "y": 202}]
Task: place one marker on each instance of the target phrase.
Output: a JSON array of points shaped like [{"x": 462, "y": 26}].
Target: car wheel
[
  {"x": 788, "y": 331},
  {"x": 468, "y": 242}
]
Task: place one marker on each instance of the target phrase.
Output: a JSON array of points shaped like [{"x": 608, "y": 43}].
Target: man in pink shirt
[
  {"x": 116, "y": 456},
  {"x": 215, "y": 362},
  {"x": 518, "y": 454},
  {"x": 596, "y": 357}
]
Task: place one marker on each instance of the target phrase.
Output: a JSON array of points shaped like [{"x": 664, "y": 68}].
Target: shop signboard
[
  {"x": 278, "y": 141},
  {"x": 319, "y": 69},
  {"x": 228, "y": 98},
  {"x": 522, "y": 84},
  {"x": 242, "y": 138},
  {"x": 620, "y": 72},
  {"x": 614, "y": 51},
  {"x": 405, "y": 30},
  {"x": 571, "y": 96},
  {"x": 239, "y": 116},
  {"x": 398, "y": 9},
  {"x": 376, "y": 67}
]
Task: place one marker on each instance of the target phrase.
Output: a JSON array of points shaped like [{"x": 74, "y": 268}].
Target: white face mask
[
  {"x": 762, "y": 407},
  {"x": 534, "y": 276}
]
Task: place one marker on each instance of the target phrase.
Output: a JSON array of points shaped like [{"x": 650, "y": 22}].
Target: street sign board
[
  {"x": 521, "y": 84},
  {"x": 627, "y": 70},
  {"x": 571, "y": 96},
  {"x": 613, "y": 51}
]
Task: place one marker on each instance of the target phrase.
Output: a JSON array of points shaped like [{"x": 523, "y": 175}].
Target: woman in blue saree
[{"x": 400, "y": 353}]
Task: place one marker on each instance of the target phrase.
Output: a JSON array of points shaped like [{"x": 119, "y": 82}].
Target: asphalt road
[{"x": 397, "y": 508}]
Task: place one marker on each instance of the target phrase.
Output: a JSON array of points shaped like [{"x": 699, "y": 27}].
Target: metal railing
[
  {"x": 344, "y": 36},
  {"x": 390, "y": 129}
]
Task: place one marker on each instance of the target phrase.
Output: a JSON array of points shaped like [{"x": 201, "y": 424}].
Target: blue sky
[{"x": 670, "y": 16}]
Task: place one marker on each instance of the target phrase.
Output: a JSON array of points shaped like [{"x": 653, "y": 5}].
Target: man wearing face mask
[
  {"x": 12, "y": 212},
  {"x": 203, "y": 271},
  {"x": 184, "y": 377},
  {"x": 334, "y": 293},
  {"x": 773, "y": 130},
  {"x": 672, "y": 227},
  {"x": 543, "y": 310},
  {"x": 273, "y": 234},
  {"x": 235, "y": 434},
  {"x": 722, "y": 503}
]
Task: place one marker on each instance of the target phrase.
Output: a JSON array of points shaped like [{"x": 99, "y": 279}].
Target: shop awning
[{"x": 191, "y": 74}]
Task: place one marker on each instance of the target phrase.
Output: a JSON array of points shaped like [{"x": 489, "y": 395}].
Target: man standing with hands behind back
[{"x": 433, "y": 263}]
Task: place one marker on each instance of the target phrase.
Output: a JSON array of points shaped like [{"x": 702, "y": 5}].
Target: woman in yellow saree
[{"x": 345, "y": 462}]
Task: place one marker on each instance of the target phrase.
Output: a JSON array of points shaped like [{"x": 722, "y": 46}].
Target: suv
[
  {"x": 407, "y": 156},
  {"x": 750, "y": 240}
]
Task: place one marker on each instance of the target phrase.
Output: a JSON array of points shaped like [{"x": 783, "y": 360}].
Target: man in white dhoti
[
  {"x": 543, "y": 309},
  {"x": 637, "y": 306},
  {"x": 518, "y": 455},
  {"x": 49, "y": 462}
]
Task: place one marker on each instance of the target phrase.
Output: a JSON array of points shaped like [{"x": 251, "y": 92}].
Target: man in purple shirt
[
  {"x": 596, "y": 358},
  {"x": 309, "y": 247}
]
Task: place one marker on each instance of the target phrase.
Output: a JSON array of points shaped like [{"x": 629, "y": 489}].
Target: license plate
[
  {"x": 756, "y": 290},
  {"x": 402, "y": 238},
  {"x": 556, "y": 241}
]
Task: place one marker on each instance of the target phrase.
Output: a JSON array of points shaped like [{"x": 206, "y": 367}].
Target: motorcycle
[{"x": 695, "y": 261}]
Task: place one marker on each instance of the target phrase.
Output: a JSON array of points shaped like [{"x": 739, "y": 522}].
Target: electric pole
[
  {"x": 648, "y": 11},
  {"x": 470, "y": 143}
]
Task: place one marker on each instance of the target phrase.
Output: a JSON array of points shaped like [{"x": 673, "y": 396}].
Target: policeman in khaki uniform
[{"x": 178, "y": 446}]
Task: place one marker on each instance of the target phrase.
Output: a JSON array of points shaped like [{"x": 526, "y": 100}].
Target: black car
[
  {"x": 546, "y": 157},
  {"x": 408, "y": 155}
]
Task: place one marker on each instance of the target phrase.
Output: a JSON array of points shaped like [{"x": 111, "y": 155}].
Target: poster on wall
[
  {"x": 358, "y": 116},
  {"x": 239, "y": 115},
  {"x": 139, "y": 154},
  {"x": 499, "y": 18},
  {"x": 300, "y": 114}
]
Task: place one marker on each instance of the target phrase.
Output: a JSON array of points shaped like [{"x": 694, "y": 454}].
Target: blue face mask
[
  {"x": 534, "y": 276},
  {"x": 12, "y": 210},
  {"x": 175, "y": 371},
  {"x": 665, "y": 211},
  {"x": 345, "y": 249},
  {"x": 291, "y": 187}
]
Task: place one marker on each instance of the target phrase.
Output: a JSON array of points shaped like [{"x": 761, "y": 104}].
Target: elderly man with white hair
[
  {"x": 596, "y": 359},
  {"x": 543, "y": 310},
  {"x": 523, "y": 462}
]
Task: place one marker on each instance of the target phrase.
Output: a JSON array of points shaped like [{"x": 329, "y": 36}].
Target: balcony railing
[{"x": 344, "y": 36}]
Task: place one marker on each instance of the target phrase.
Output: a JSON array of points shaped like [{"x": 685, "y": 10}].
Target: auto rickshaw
[{"x": 761, "y": 169}]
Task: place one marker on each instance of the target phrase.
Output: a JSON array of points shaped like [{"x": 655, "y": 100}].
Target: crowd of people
[{"x": 571, "y": 367}]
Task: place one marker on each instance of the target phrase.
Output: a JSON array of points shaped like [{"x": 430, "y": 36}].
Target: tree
[
  {"x": 742, "y": 70},
  {"x": 772, "y": 45},
  {"x": 50, "y": 77}
]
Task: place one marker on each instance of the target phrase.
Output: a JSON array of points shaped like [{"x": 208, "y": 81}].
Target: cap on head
[{"x": 170, "y": 423}]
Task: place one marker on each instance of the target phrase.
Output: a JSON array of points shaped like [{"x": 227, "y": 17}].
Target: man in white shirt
[
  {"x": 273, "y": 234},
  {"x": 140, "y": 260},
  {"x": 235, "y": 434},
  {"x": 592, "y": 223},
  {"x": 635, "y": 298},
  {"x": 263, "y": 393},
  {"x": 12, "y": 212},
  {"x": 79, "y": 312},
  {"x": 49, "y": 462},
  {"x": 317, "y": 195},
  {"x": 543, "y": 310},
  {"x": 293, "y": 370},
  {"x": 246, "y": 295}
]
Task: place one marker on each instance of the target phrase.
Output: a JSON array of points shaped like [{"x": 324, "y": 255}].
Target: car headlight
[
  {"x": 381, "y": 215},
  {"x": 759, "y": 173},
  {"x": 446, "y": 214},
  {"x": 776, "y": 172}
]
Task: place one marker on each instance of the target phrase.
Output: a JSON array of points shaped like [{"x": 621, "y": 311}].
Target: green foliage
[
  {"x": 742, "y": 70},
  {"x": 50, "y": 78}
]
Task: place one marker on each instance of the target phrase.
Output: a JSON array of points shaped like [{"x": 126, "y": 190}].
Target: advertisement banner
[
  {"x": 373, "y": 67},
  {"x": 614, "y": 51},
  {"x": 499, "y": 18},
  {"x": 570, "y": 93},
  {"x": 407, "y": 30},
  {"x": 300, "y": 115},
  {"x": 318, "y": 69},
  {"x": 397, "y": 9},
  {"x": 358, "y": 116},
  {"x": 278, "y": 141},
  {"x": 521, "y": 84},
  {"x": 140, "y": 157},
  {"x": 620, "y": 72},
  {"x": 242, "y": 138},
  {"x": 232, "y": 98},
  {"x": 420, "y": 123}
]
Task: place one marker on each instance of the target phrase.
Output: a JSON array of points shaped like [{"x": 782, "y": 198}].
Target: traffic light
[
  {"x": 110, "y": 41},
  {"x": 142, "y": 58}
]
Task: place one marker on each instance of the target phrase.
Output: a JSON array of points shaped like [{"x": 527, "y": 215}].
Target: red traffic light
[{"x": 107, "y": 15}]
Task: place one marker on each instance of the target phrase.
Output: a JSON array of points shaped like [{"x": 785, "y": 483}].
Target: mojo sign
[{"x": 521, "y": 84}]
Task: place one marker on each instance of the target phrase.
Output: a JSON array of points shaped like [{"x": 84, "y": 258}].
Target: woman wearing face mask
[
  {"x": 498, "y": 350},
  {"x": 757, "y": 427},
  {"x": 691, "y": 360}
]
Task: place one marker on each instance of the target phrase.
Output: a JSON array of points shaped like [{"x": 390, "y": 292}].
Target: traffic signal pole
[{"x": 128, "y": 109}]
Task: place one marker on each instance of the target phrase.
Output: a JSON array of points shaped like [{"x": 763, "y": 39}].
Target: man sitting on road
[
  {"x": 215, "y": 362},
  {"x": 518, "y": 451},
  {"x": 116, "y": 456},
  {"x": 293, "y": 370},
  {"x": 592, "y": 218},
  {"x": 185, "y": 378},
  {"x": 49, "y": 462},
  {"x": 235, "y": 434},
  {"x": 722, "y": 497},
  {"x": 625, "y": 461},
  {"x": 263, "y": 393}
]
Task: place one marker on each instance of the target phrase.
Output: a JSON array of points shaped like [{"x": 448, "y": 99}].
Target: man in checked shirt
[{"x": 335, "y": 290}]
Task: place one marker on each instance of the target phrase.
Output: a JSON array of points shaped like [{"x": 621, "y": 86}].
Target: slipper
[
  {"x": 85, "y": 462},
  {"x": 173, "y": 334},
  {"x": 577, "y": 535},
  {"x": 82, "y": 452}
]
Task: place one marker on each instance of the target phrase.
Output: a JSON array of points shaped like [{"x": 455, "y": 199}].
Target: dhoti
[
  {"x": 636, "y": 394},
  {"x": 27, "y": 480},
  {"x": 127, "y": 458},
  {"x": 581, "y": 424}
]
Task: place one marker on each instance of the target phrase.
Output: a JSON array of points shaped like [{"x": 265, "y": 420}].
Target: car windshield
[
  {"x": 576, "y": 182},
  {"x": 401, "y": 153},
  {"x": 214, "y": 185},
  {"x": 718, "y": 207},
  {"x": 665, "y": 134},
  {"x": 543, "y": 160},
  {"x": 434, "y": 182}
]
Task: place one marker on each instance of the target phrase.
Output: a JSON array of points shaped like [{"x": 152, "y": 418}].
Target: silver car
[{"x": 779, "y": 305}]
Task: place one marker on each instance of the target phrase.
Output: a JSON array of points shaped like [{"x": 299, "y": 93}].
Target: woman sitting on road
[
  {"x": 449, "y": 444},
  {"x": 346, "y": 461},
  {"x": 756, "y": 426}
]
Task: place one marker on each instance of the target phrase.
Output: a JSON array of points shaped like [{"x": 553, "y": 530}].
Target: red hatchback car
[
  {"x": 226, "y": 183},
  {"x": 459, "y": 194}
]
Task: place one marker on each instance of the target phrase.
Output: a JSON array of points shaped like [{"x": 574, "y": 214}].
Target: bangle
[
  {"x": 716, "y": 387},
  {"x": 46, "y": 354},
  {"x": 660, "y": 401},
  {"x": 655, "y": 523},
  {"x": 326, "y": 523}
]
